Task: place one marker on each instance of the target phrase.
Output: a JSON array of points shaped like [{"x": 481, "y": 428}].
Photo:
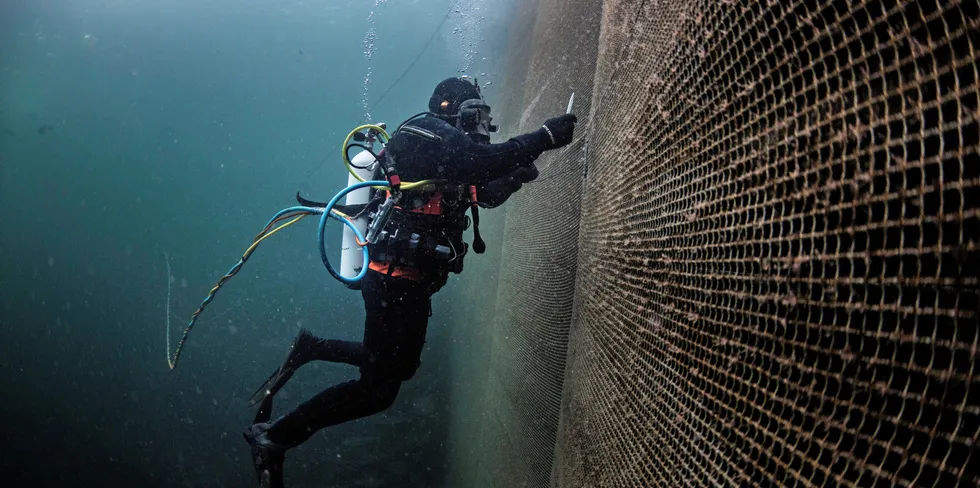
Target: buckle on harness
[{"x": 381, "y": 217}]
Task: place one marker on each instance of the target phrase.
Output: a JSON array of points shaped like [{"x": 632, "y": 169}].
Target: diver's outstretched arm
[{"x": 449, "y": 154}]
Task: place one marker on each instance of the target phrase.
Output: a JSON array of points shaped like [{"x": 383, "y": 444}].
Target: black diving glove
[
  {"x": 559, "y": 130},
  {"x": 525, "y": 174},
  {"x": 496, "y": 192}
]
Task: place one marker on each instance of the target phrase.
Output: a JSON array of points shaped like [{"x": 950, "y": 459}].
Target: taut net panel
[
  {"x": 537, "y": 272},
  {"x": 778, "y": 262}
]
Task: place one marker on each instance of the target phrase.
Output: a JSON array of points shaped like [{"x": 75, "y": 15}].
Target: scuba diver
[{"x": 410, "y": 259}]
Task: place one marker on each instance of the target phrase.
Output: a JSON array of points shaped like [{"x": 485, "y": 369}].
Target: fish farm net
[{"x": 757, "y": 265}]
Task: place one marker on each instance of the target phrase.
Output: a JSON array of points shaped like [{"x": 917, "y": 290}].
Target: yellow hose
[
  {"x": 406, "y": 185},
  {"x": 343, "y": 149}
]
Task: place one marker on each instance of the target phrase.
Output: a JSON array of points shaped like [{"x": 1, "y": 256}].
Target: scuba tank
[
  {"x": 351, "y": 257},
  {"x": 362, "y": 167}
]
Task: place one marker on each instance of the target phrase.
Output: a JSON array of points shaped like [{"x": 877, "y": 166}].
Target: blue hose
[
  {"x": 292, "y": 209},
  {"x": 328, "y": 212}
]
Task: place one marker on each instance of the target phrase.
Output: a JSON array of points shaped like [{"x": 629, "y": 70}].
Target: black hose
[
  {"x": 363, "y": 147},
  {"x": 409, "y": 120},
  {"x": 478, "y": 245}
]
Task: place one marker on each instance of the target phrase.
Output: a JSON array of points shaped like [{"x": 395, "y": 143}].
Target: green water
[{"x": 133, "y": 128}]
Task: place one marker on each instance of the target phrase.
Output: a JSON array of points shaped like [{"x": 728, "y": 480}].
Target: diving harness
[{"x": 410, "y": 225}]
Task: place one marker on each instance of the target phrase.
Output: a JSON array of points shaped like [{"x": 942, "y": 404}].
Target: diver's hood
[
  {"x": 450, "y": 93},
  {"x": 459, "y": 102}
]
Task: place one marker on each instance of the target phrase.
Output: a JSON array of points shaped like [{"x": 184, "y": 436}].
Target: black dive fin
[
  {"x": 300, "y": 353},
  {"x": 308, "y": 203},
  {"x": 346, "y": 209}
]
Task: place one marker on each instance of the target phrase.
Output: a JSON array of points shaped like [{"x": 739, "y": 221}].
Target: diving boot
[
  {"x": 300, "y": 353},
  {"x": 267, "y": 456}
]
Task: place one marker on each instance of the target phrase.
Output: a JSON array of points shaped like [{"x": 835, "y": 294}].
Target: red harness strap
[
  {"x": 432, "y": 207},
  {"x": 397, "y": 271}
]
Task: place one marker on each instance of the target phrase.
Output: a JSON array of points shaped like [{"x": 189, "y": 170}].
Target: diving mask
[{"x": 475, "y": 120}]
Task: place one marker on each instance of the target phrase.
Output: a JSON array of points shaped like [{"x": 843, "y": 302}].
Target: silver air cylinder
[{"x": 351, "y": 256}]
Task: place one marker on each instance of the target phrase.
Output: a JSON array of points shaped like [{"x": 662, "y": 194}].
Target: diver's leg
[
  {"x": 337, "y": 351},
  {"x": 335, "y": 405},
  {"x": 396, "y": 318},
  {"x": 305, "y": 348},
  {"x": 394, "y": 333}
]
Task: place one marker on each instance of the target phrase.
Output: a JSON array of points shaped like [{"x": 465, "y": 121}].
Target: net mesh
[
  {"x": 776, "y": 276},
  {"x": 778, "y": 258},
  {"x": 537, "y": 273}
]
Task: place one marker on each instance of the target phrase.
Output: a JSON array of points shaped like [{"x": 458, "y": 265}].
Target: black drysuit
[{"x": 397, "y": 309}]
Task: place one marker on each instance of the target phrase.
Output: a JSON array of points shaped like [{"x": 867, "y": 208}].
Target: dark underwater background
[{"x": 134, "y": 128}]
